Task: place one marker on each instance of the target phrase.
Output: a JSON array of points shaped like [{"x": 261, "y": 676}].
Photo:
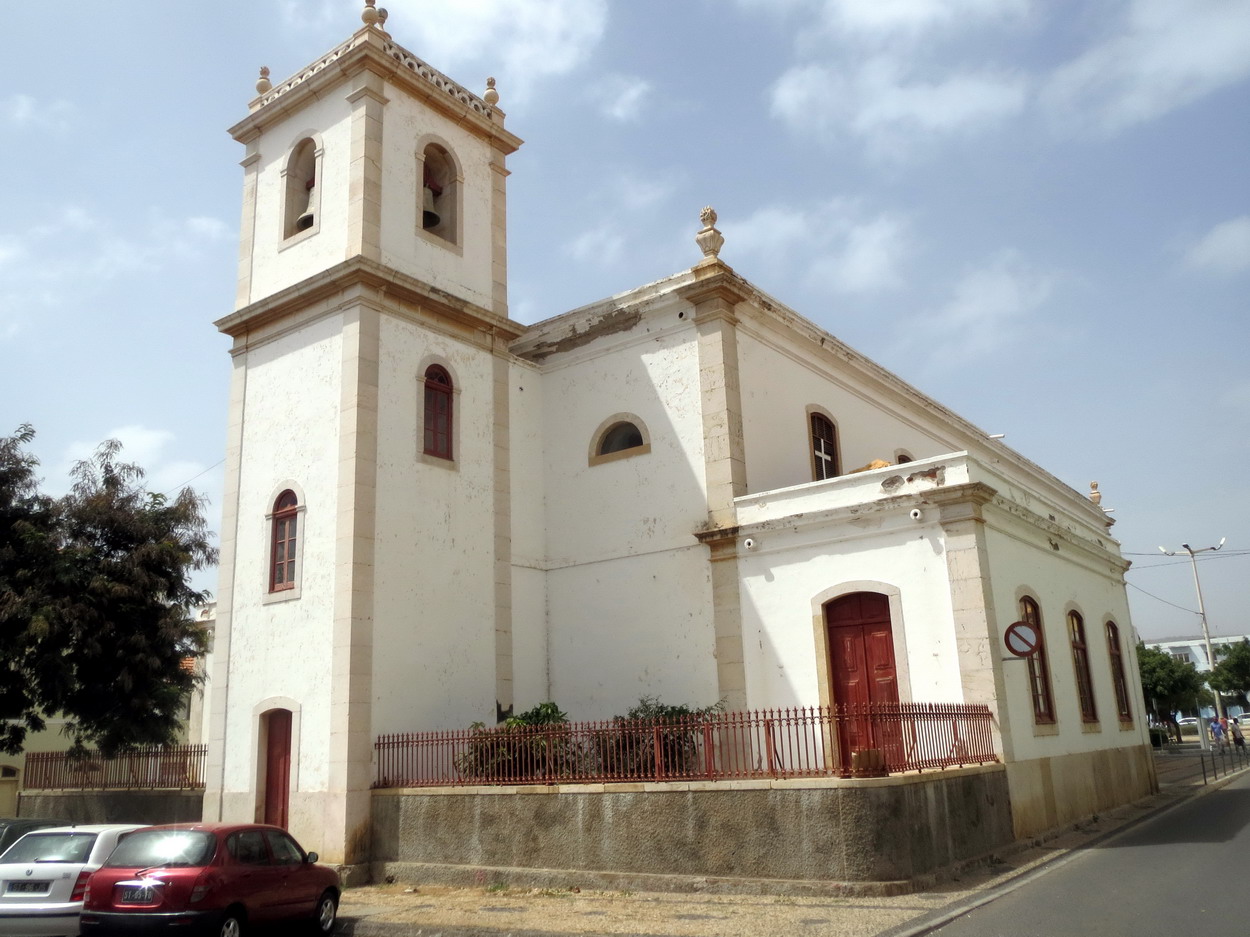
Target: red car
[{"x": 209, "y": 878}]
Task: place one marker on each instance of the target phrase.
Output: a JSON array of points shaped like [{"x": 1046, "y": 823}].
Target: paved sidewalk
[{"x": 497, "y": 910}]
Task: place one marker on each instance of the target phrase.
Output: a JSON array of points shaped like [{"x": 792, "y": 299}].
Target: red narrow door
[
  {"x": 277, "y": 766},
  {"x": 861, "y": 666}
]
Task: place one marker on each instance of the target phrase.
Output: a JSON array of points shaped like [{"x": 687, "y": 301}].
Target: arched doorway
[
  {"x": 862, "y": 670},
  {"x": 277, "y": 766}
]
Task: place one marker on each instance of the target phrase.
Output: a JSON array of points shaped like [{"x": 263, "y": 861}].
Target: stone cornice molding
[
  {"x": 961, "y": 502},
  {"x": 715, "y": 291},
  {"x": 375, "y": 278},
  {"x": 373, "y": 50}
]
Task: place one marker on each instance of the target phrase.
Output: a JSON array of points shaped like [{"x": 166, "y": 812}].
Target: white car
[{"x": 44, "y": 874}]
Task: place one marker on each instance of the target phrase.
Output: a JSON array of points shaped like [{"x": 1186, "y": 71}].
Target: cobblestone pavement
[{"x": 501, "y": 910}]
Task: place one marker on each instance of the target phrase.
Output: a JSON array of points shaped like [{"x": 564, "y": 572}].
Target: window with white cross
[{"x": 824, "y": 448}]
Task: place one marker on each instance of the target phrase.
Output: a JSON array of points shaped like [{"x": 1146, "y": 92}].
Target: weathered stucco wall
[
  {"x": 1051, "y": 792},
  {"x": 114, "y": 806},
  {"x": 877, "y": 830}
]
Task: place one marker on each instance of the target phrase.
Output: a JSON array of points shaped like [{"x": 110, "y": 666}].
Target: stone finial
[
  {"x": 709, "y": 239},
  {"x": 263, "y": 84},
  {"x": 491, "y": 96},
  {"x": 1094, "y": 494},
  {"x": 369, "y": 15},
  {"x": 382, "y": 15}
]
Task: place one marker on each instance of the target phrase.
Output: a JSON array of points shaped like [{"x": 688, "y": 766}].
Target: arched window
[
  {"x": 438, "y": 403},
  {"x": 440, "y": 203},
  {"x": 1039, "y": 667},
  {"x": 283, "y": 549},
  {"x": 1122, "y": 707},
  {"x": 1080, "y": 663},
  {"x": 620, "y": 437},
  {"x": 301, "y": 203},
  {"x": 824, "y": 447}
]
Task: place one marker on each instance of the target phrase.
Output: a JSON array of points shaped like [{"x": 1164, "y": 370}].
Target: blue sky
[{"x": 1036, "y": 211}]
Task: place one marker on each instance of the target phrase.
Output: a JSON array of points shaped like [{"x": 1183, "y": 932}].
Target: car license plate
[
  {"x": 29, "y": 888},
  {"x": 132, "y": 894}
]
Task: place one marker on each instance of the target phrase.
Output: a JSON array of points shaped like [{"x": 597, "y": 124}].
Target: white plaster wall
[
  {"x": 792, "y": 572},
  {"x": 434, "y": 612},
  {"x": 778, "y": 385},
  {"x": 629, "y": 594},
  {"x": 466, "y": 272},
  {"x": 630, "y": 627},
  {"x": 529, "y": 538},
  {"x": 283, "y": 649},
  {"x": 277, "y": 262}
]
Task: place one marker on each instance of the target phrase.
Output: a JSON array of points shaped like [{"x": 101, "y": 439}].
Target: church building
[{"x": 435, "y": 514}]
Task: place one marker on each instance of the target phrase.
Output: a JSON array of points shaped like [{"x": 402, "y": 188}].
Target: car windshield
[
  {"x": 51, "y": 847},
  {"x": 152, "y": 848}
]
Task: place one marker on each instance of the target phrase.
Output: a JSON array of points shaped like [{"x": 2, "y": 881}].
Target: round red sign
[{"x": 1021, "y": 639}]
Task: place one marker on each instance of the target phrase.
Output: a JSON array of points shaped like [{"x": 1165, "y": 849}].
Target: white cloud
[
  {"x": 621, "y": 97},
  {"x": 1224, "y": 249},
  {"x": 989, "y": 310},
  {"x": 893, "y": 113},
  {"x": 621, "y": 200},
  {"x": 67, "y": 256},
  {"x": 22, "y": 111},
  {"x": 1167, "y": 54},
  {"x": 834, "y": 245},
  {"x": 892, "y": 17},
  {"x": 525, "y": 40},
  {"x": 895, "y": 17}
]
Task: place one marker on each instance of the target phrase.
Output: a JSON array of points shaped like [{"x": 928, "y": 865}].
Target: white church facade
[{"x": 436, "y": 515}]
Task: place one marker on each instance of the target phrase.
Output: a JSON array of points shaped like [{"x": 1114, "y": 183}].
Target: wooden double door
[{"x": 860, "y": 639}]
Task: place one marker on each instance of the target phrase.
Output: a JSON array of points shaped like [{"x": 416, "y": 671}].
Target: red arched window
[
  {"x": 1123, "y": 709},
  {"x": 1080, "y": 663},
  {"x": 1039, "y": 667},
  {"x": 438, "y": 398},
  {"x": 824, "y": 448},
  {"x": 282, "y": 548}
]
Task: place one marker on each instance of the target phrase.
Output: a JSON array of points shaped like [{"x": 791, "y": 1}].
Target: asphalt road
[{"x": 1181, "y": 874}]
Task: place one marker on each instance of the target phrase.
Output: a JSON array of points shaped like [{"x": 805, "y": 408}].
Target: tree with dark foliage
[
  {"x": 1169, "y": 685},
  {"x": 95, "y": 602}
]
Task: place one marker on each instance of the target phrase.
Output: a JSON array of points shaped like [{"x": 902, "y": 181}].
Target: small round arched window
[{"x": 620, "y": 437}]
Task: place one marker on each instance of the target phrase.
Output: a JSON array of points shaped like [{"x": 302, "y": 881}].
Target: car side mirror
[{"x": 313, "y": 857}]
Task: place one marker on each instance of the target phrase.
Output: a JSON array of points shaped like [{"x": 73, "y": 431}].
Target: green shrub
[
  {"x": 517, "y": 750},
  {"x": 629, "y": 749}
]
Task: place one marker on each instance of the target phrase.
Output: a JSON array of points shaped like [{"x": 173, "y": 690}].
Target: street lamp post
[{"x": 1206, "y": 632}]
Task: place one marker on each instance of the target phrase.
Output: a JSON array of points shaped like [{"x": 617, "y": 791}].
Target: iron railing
[
  {"x": 179, "y": 767},
  {"x": 855, "y": 740}
]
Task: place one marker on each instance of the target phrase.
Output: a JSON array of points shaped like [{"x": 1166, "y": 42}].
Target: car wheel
[
  {"x": 231, "y": 926},
  {"x": 326, "y": 914}
]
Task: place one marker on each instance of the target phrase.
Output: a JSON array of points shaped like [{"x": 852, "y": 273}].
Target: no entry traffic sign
[{"x": 1021, "y": 639}]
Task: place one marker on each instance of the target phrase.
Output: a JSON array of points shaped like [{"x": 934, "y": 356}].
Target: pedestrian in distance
[
  {"x": 1239, "y": 737},
  {"x": 1217, "y": 734}
]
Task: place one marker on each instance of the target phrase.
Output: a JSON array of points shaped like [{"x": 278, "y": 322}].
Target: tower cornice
[
  {"x": 370, "y": 278},
  {"x": 373, "y": 49}
]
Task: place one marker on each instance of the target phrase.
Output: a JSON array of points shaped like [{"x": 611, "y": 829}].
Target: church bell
[
  {"x": 305, "y": 220},
  {"x": 429, "y": 215}
]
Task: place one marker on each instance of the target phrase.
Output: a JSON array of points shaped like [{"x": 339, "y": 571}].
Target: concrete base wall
[
  {"x": 113, "y": 806},
  {"x": 1050, "y": 792},
  {"x": 868, "y": 830}
]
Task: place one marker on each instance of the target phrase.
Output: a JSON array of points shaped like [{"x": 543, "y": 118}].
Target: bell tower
[{"x": 366, "y": 530}]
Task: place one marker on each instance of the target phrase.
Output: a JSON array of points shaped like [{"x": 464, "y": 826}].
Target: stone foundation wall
[
  {"x": 1050, "y": 792},
  {"x": 866, "y": 830},
  {"x": 113, "y": 806}
]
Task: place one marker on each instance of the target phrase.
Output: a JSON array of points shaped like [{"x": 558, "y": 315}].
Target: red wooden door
[
  {"x": 861, "y": 668},
  {"x": 277, "y": 766}
]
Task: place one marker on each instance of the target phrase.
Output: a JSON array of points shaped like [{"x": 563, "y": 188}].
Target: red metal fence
[
  {"x": 178, "y": 768},
  {"x": 839, "y": 741}
]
